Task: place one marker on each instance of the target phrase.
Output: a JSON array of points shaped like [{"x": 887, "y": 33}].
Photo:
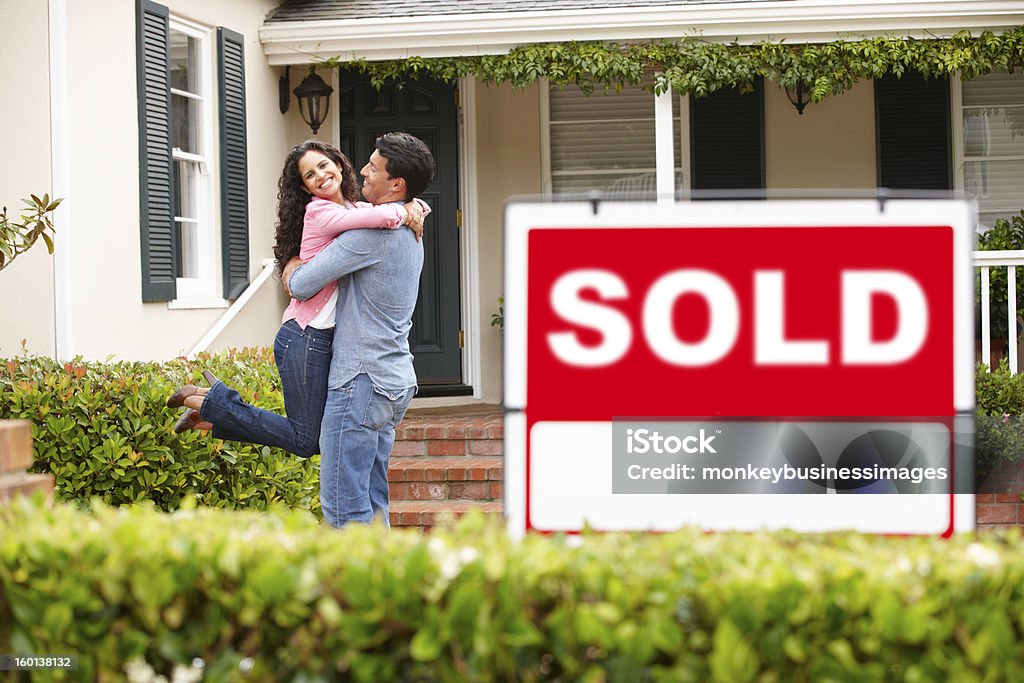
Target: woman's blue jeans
[{"x": 303, "y": 358}]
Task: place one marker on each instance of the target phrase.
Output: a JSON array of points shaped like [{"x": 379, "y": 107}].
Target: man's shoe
[
  {"x": 177, "y": 399},
  {"x": 190, "y": 420}
]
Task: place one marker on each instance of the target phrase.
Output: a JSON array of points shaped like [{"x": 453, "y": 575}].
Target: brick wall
[
  {"x": 999, "y": 497},
  {"x": 15, "y": 458}
]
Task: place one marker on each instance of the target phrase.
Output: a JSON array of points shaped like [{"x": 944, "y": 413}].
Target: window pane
[
  {"x": 184, "y": 62},
  {"x": 994, "y": 131},
  {"x": 625, "y": 144},
  {"x": 185, "y": 195},
  {"x": 185, "y": 118},
  {"x": 611, "y": 135},
  {"x": 185, "y": 176},
  {"x": 993, "y": 90},
  {"x": 996, "y": 184},
  {"x": 188, "y": 250}
]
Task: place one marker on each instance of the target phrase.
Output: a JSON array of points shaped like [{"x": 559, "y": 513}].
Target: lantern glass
[{"x": 314, "y": 96}]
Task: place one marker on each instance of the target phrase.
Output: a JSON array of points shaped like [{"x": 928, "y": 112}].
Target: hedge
[
  {"x": 103, "y": 431},
  {"x": 274, "y": 596}
]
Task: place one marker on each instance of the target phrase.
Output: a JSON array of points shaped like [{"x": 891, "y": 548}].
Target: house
[{"x": 170, "y": 202}]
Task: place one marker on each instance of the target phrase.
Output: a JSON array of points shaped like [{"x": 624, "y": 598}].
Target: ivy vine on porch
[{"x": 699, "y": 67}]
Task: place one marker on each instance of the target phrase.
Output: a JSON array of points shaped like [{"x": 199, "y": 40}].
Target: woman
[{"x": 317, "y": 200}]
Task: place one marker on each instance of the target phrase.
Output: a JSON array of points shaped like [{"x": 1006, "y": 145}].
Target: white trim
[
  {"x": 664, "y": 147},
  {"x": 60, "y": 181},
  {"x": 684, "y": 145},
  {"x": 196, "y": 303},
  {"x": 432, "y": 35},
  {"x": 545, "y": 138},
  {"x": 956, "y": 123},
  {"x": 469, "y": 239}
]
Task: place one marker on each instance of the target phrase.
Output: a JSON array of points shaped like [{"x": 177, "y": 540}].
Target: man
[{"x": 372, "y": 379}]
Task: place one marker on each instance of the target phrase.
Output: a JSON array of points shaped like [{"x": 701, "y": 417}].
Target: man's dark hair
[{"x": 407, "y": 157}]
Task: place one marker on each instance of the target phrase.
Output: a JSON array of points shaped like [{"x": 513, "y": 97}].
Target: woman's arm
[{"x": 330, "y": 219}]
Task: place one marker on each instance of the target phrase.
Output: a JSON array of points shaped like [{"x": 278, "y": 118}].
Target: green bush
[
  {"x": 103, "y": 430},
  {"x": 999, "y": 425},
  {"x": 279, "y": 597}
]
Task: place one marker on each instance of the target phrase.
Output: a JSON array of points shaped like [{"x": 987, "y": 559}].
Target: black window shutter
[
  {"x": 234, "y": 191},
  {"x": 159, "y": 236},
  {"x": 913, "y": 132},
  {"x": 727, "y": 140}
]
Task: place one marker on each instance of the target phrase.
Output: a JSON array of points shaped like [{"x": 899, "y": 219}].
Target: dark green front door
[{"x": 427, "y": 109}]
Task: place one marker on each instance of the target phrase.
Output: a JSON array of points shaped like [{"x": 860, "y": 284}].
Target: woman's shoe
[
  {"x": 177, "y": 399},
  {"x": 210, "y": 377},
  {"x": 190, "y": 420}
]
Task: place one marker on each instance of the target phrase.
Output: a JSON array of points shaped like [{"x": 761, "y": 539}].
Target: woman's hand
[
  {"x": 414, "y": 218},
  {"x": 286, "y": 274}
]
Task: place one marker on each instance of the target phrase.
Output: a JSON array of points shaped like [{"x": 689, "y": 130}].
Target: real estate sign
[{"x": 803, "y": 364}]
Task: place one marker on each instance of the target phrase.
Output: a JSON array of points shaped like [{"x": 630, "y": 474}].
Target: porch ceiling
[{"x": 305, "y": 31}]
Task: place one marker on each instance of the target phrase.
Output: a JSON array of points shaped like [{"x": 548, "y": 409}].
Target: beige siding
[
  {"x": 832, "y": 145},
  {"x": 508, "y": 164},
  {"x": 26, "y": 286},
  {"x": 109, "y": 315}
]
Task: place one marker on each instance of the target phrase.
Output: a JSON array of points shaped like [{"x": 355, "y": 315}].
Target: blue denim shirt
[{"x": 378, "y": 273}]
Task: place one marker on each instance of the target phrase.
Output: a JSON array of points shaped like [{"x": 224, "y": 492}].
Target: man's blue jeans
[
  {"x": 303, "y": 358},
  {"x": 355, "y": 444}
]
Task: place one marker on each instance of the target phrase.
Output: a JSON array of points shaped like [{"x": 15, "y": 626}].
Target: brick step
[
  {"x": 22, "y": 483},
  {"x": 424, "y": 514},
  {"x": 446, "y": 462},
  {"x": 469, "y": 428},
  {"x": 447, "y": 478}
]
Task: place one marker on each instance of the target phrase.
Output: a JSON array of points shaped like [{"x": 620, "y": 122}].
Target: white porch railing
[
  {"x": 234, "y": 309},
  {"x": 986, "y": 260}
]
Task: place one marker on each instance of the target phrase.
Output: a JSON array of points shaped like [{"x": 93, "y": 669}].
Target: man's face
[{"x": 378, "y": 186}]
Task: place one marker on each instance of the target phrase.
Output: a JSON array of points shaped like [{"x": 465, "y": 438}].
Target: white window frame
[{"x": 201, "y": 291}]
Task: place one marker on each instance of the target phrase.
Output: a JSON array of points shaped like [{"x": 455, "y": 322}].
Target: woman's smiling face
[{"x": 320, "y": 175}]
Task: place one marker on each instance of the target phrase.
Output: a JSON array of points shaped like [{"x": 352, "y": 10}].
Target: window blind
[{"x": 605, "y": 141}]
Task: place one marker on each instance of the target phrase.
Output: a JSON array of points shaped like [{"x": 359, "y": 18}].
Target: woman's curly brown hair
[{"x": 292, "y": 197}]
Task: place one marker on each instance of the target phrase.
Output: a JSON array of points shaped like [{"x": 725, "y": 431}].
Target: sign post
[{"x": 802, "y": 364}]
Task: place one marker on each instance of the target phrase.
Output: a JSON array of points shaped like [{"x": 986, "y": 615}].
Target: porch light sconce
[
  {"x": 314, "y": 98},
  {"x": 798, "y": 97}
]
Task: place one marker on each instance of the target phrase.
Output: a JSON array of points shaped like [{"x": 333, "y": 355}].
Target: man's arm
[{"x": 350, "y": 252}]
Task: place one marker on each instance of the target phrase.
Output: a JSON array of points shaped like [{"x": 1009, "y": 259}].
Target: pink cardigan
[{"x": 324, "y": 221}]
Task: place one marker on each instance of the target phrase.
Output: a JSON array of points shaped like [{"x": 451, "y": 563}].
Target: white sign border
[{"x": 523, "y": 216}]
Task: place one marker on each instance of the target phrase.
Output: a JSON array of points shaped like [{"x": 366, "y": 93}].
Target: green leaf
[
  {"x": 732, "y": 660},
  {"x": 425, "y": 646}
]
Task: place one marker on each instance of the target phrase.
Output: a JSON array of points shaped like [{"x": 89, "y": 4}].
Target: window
[
  {"x": 191, "y": 140},
  {"x": 990, "y": 153},
  {"x": 178, "y": 163},
  {"x": 605, "y": 141}
]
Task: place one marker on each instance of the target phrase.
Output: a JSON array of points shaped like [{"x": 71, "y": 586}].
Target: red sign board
[{"x": 734, "y": 274}]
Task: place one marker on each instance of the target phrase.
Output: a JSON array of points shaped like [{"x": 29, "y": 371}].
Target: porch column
[{"x": 665, "y": 149}]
